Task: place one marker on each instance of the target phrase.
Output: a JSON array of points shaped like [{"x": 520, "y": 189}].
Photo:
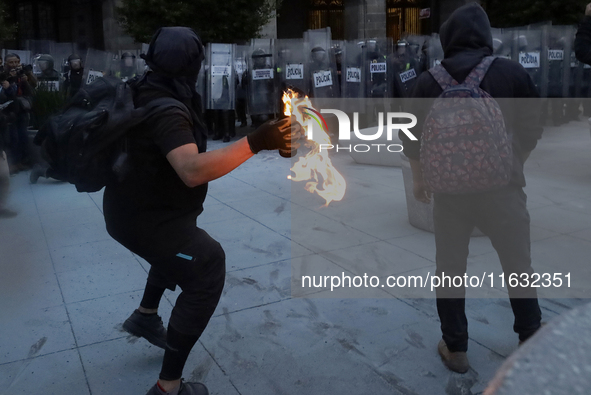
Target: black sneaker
[
  {"x": 149, "y": 327},
  {"x": 185, "y": 389}
]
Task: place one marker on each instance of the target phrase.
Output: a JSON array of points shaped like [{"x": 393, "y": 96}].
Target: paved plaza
[{"x": 66, "y": 287}]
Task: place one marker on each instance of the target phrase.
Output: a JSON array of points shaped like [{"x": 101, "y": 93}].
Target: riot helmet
[
  {"x": 75, "y": 62},
  {"x": 175, "y": 51},
  {"x": 521, "y": 43},
  {"x": 127, "y": 59},
  {"x": 45, "y": 63},
  {"x": 401, "y": 47},
  {"x": 259, "y": 57},
  {"x": 319, "y": 56}
]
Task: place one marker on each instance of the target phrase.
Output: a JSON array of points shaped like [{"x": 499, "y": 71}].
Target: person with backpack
[
  {"x": 469, "y": 157},
  {"x": 153, "y": 211},
  {"x": 583, "y": 38}
]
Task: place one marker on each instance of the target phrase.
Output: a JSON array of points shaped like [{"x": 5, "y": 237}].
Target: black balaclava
[
  {"x": 174, "y": 56},
  {"x": 176, "y": 53}
]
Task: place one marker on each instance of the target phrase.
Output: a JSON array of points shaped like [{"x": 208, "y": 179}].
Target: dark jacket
[
  {"x": 583, "y": 41},
  {"x": 466, "y": 39}
]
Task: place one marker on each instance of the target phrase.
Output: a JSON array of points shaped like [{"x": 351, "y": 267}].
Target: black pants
[
  {"x": 19, "y": 140},
  {"x": 501, "y": 215},
  {"x": 199, "y": 269}
]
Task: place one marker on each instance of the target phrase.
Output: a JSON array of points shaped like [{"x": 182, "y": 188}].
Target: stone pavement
[{"x": 66, "y": 287}]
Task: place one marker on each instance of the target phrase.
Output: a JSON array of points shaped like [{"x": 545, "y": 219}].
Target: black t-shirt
[{"x": 152, "y": 212}]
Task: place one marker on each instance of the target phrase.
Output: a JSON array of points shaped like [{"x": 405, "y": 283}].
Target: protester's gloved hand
[{"x": 277, "y": 134}]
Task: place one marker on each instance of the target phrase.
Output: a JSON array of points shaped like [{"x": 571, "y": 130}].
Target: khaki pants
[{"x": 4, "y": 179}]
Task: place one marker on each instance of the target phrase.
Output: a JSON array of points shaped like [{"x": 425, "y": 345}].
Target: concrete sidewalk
[{"x": 66, "y": 286}]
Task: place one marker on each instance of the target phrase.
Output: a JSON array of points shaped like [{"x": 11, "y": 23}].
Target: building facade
[
  {"x": 352, "y": 19},
  {"x": 93, "y": 23}
]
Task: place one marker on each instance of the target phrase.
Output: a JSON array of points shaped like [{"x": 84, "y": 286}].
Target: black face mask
[{"x": 192, "y": 80}]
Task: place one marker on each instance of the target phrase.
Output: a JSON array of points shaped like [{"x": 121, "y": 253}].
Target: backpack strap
[
  {"x": 474, "y": 79},
  {"x": 443, "y": 78}
]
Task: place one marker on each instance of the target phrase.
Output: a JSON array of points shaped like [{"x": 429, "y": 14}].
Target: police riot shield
[
  {"x": 322, "y": 70},
  {"x": 529, "y": 43},
  {"x": 200, "y": 86},
  {"x": 417, "y": 46},
  {"x": 61, "y": 52},
  {"x": 404, "y": 69},
  {"x": 434, "y": 51},
  {"x": 580, "y": 76},
  {"x": 352, "y": 80},
  {"x": 97, "y": 64},
  {"x": 502, "y": 43},
  {"x": 141, "y": 63},
  {"x": 291, "y": 65},
  {"x": 559, "y": 47},
  {"x": 375, "y": 67},
  {"x": 241, "y": 53},
  {"x": 220, "y": 77},
  {"x": 261, "y": 78},
  {"x": 336, "y": 52},
  {"x": 125, "y": 64}
]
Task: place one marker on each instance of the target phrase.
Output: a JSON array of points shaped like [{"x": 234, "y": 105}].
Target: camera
[{"x": 26, "y": 68}]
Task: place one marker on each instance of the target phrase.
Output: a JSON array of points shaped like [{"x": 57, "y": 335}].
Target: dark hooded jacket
[
  {"x": 583, "y": 41},
  {"x": 152, "y": 212},
  {"x": 466, "y": 39}
]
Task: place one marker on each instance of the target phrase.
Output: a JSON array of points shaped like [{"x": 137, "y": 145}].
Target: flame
[{"x": 316, "y": 167}]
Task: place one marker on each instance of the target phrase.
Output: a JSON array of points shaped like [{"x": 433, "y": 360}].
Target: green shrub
[{"x": 47, "y": 102}]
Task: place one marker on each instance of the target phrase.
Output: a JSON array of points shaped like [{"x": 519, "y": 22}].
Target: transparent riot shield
[
  {"x": 61, "y": 52},
  {"x": 404, "y": 69},
  {"x": 374, "y": 67},
  {"x": 417, "y": 47},
  {"x": 434, "y": 51},
  {"x": 200, "y": 86},
  {"x": 125, "y": 64},
  {"x": 241, "y": 53},
  {"x": 220, "y": 77},
  {"x": 559, "y": 48},
  {"x": 97, "y": 64},
  {"x": 322, "y": 70},
  {"x": 261, "y": 78},
  {"x": 141, "y": 63},
  {"x": 336, "y": 51},
  {"x": 352, "y": 81},
  {"x": 529, "y": 44},
  {"x": 291, "y": 65},
  {"x": 502, "y": 43}
]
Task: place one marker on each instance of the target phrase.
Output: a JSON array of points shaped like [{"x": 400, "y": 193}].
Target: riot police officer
[{"x": 73, "y": 75}]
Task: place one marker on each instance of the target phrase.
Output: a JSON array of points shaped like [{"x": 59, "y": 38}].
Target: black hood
[
  {"x": 466, "y": 38},
  {"x": 175, "y": 52}
]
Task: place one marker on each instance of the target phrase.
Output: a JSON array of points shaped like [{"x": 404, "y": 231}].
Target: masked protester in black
[{"x": 153, "y": 212}]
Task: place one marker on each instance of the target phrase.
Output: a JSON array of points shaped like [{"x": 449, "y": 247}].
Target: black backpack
[{"x": 85, "y": 144}]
